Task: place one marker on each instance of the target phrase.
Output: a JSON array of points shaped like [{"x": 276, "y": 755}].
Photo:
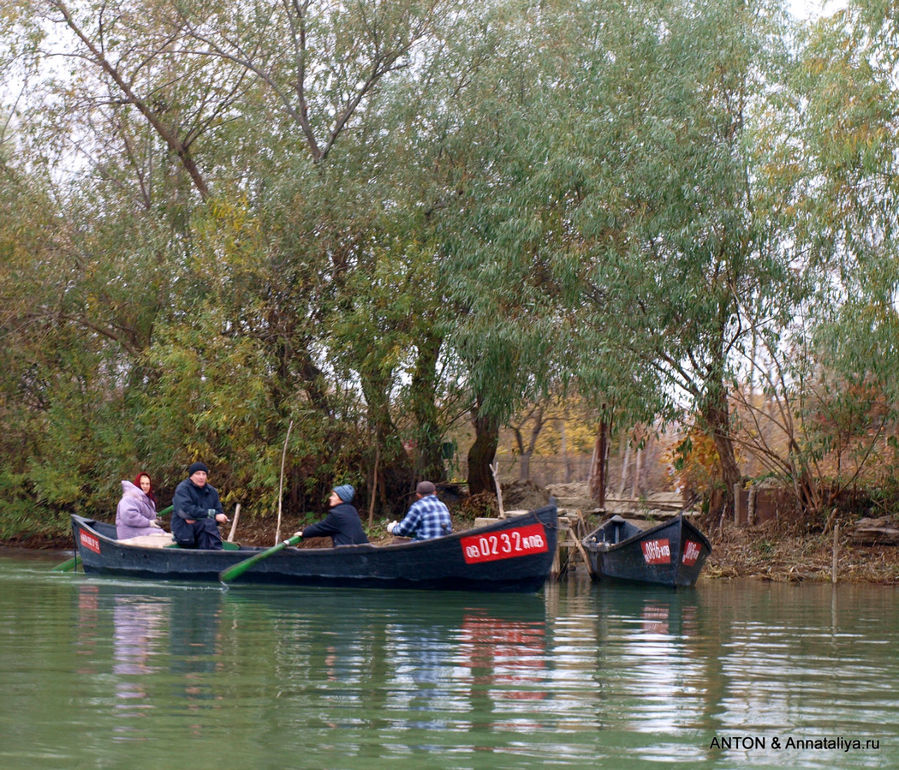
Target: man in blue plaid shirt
[{"x": 427, "y": 516}]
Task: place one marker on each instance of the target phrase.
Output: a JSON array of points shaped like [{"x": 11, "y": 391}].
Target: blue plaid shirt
[{"x": 426, "y": 518}]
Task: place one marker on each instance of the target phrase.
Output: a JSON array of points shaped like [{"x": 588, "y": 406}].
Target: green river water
[{"x": 106, "y": 673}]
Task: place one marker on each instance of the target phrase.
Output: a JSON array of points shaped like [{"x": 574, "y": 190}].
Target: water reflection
[
  {"x": 158, "y": 635},
  {"x": 194, "y": 644},
  {"x": 508, "y": 655},
  {"x": 579, "y": 676},
  {"x": 793, "y": 658},
  {"x": 403, "y": 655},
  {"x": 88, "y": 621},
  {"x": 422, "y": 662},
  {"x": 137, "y": 624}
]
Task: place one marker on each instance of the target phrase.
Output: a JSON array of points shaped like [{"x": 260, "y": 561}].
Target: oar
[
  {"x": 238, "y": 569},
  {"x": 69, "y": 564}
]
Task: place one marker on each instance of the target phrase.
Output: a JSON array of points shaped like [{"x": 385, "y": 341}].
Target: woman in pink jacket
[{"x": 136, "y": 512}]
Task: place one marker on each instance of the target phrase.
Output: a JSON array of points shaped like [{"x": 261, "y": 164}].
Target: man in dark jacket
[
  {"x": 342, "y": 522},
  {"x": 197, "y": 511}
]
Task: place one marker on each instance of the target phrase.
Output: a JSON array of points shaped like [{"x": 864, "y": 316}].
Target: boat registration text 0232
[{"x": 507, "y": 544}]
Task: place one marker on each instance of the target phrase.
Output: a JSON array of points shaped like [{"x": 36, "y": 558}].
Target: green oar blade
[
  {"x": 67, "y": 566},
  {"x": 238, "y": 569}
]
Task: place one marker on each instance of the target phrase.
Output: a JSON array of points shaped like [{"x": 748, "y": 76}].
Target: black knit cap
[{"x": 197, "y": 466}]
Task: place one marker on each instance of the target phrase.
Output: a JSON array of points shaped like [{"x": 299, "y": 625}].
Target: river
[{"x": 107, "y": 673}]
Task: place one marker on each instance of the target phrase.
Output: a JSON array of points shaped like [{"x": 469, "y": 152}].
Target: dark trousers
[{"x": 203, "y": 534}]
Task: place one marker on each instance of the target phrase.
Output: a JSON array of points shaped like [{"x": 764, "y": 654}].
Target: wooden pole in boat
[
  {"x": 234, "y": 523},
  {"x": 281, "y": 483}
]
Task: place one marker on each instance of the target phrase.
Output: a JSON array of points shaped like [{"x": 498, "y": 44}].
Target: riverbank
[
  {"x": 781, "y": 555},
  {"x": 767, "y": 552}
]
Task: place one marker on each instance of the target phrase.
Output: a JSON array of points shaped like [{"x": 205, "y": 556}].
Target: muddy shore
[{"x": 783, "y": 556}]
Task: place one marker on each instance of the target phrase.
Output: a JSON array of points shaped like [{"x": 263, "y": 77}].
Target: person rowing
[{"x": 342, "y": 524}]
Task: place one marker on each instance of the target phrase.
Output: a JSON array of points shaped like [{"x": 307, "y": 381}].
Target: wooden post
[
  {"x": 583, "y": 554},
  {"x": 738, "y": 503},
  {"x": 494, "y": 469},
  {"x": 625, "y": 461},
  {"x": 561, "y": 542},
  {"x": 635, "y": 485},
  {"x": 836, "y": 551}
]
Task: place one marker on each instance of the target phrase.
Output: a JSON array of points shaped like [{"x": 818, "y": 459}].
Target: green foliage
[
  {"x": 764, "y": 548},
  {"x": 213, "y": 227}
]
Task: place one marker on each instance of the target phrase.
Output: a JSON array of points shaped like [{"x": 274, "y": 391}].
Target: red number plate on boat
[
  {"x": 89, "y": 542},
  {"x": 507, "y": 544},
  {"x": 657, "y": 551},
  {"x": 691, "y": 553}
]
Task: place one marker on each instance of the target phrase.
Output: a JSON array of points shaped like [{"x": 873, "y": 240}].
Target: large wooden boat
[
  {"x": 511, "y": 555},
  {"x": 671, "y": 553}
]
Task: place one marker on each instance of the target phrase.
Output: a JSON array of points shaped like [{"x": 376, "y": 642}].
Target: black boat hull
[
  {"x": 671, "y": 553},
  {"x": 512, "y": 555}
]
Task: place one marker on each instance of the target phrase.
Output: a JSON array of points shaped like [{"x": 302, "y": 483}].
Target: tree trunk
[
  {"x": 600, "y": 465},
  {"x": 625, "y": 461},
  {"x": 566, "y": 461},
  {"x": 313, "y": 382},
  {"x": 428, "y": 433},
  {"x": 167, "y": 132},
  {"x": 804, "y": 488},
  {"x": 524, "y": 466},
  {"x": 396, "y": 473},
  {"x": 635, "y": 485},
  {"x": 482, "y": 453},
  {"x": 716, "y": 414}
]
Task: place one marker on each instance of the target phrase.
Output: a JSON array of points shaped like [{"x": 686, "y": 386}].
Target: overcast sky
[{"x": 806, "y": 9}]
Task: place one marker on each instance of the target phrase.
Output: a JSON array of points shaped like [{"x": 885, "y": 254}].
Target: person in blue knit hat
[{"x": 342, "y": 522}]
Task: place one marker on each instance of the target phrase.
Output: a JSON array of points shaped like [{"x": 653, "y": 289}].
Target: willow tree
[
  {"x": 823, "y": 419},
  {"x": 845, "y": 405},
  {"x": 342, "y": 256},
  {"x": 106, "y": 125},
  {"x": 479, "y": 115},
  {"x": 614, "y": 239},
  {"x": 668, "y": 236}
]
